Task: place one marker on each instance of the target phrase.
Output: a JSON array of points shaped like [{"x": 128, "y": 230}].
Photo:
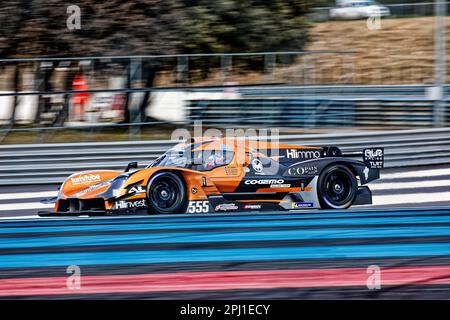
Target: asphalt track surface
[{"x": 297, "y": 255}]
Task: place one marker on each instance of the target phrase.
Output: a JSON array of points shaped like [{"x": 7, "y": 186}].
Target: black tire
[
  {"x": 166, "y": 194},
  {"x": 337, "y": 187}
]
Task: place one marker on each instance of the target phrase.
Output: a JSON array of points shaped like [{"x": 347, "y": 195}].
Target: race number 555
[{"x": 198, "y": 207}]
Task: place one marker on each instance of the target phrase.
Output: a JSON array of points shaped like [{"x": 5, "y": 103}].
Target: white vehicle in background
[{"x": 358, "y": 9}]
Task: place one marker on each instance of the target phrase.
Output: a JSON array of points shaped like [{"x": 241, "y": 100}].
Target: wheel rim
[
  {"x": 164, "y": 193},
  {"x": 338, "y": 188}
]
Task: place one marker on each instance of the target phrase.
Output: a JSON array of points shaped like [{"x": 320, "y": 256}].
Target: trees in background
[
  {"x": 38, "y": 28},
  {"x": 33, "y": 28}
]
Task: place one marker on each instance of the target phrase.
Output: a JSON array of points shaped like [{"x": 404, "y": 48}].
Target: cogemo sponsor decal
[
  {"x": 130, "y": 204},
  {"x": 303, "y": 170},
  {"x": 85, "y": 179},
  {"x": 302, "y": 154},
  {"x": 296, "y": 205},
  {"x": 264, "y": 181},
  {"x": 226, "y": 207}
]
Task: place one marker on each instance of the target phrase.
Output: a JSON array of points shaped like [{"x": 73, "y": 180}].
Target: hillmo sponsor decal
[
  {"x": 85, "y": 179},
  {"x": 130, "y": 204},
  {"x": 302, "y": 154}
]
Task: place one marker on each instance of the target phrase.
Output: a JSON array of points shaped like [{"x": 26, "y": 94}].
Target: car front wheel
[{"x": 166, "y": 194}]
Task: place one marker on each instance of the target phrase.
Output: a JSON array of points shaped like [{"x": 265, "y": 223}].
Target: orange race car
[{"x": 225, "y": 175}]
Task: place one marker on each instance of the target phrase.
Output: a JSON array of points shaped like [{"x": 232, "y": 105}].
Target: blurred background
[
  {"x": 136, "y": 70},
  {"x": 87, "y": 85}
]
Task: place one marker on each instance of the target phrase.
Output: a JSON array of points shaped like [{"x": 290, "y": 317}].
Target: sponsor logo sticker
[
  {"x": 93, "y": 188},
  {"x": 231, "y": 171},
  {"x": 252, "y": 206},
  {"x": 85, "y": 179},
  {"x": 130, "y": 204},
  {"x": 297, "y": 205},
  {"x": 264, "y": 181},
  {"x": 257, "y": 165},
  {"x": 226, "y": 207},
  {"x": 303, "y": 170},
  {"x": 280, "y": 185},
  {"x": 374, "y": 157},
  {"x": 137, "y": 190},
  {"x": 302, "y": 154}
]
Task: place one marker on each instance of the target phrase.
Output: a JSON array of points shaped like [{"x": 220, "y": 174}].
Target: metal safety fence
[
  {"x": 313, "y": 113},
  {"x": 51, "y": 163}
]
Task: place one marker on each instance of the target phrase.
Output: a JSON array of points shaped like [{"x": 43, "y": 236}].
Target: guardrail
[
  {"x": 309, "y": 113},
  {"x": 317, "y": 91},
  {"x": 52, "y": 163}
]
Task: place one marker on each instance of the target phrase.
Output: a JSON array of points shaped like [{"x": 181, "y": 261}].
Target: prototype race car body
[{"x": 223, "y": 175}]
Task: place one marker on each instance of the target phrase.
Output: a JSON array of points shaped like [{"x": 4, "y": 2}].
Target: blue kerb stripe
[
  {"x": 233, "y": 224},
  {"x": 214, "y": 237},
  {"x": 223, "y": 255}
]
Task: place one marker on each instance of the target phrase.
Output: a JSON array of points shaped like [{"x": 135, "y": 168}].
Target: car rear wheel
[
  {"x": 166, "y": 194},
  {"x": 337, "y": 187}
]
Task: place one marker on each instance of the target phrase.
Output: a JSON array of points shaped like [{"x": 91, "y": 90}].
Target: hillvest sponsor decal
[
  {"x": 130, "y": 204},
  {"x": 86, "y": 179},
  {"x": 302, "y": 154}
]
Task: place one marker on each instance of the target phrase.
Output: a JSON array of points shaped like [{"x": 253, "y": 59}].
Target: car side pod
[{"x": 363, "y": 196}]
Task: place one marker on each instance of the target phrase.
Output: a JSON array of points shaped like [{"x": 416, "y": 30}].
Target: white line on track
[
  {"x": 25, "y": 206},
  {"x": 416, "y": 174},
  {"x": 411, "y": 198},
  {"x": 28, "y": 195},
  {"x": 21, "y": 217},
  {"x": 405, "y": 185}
]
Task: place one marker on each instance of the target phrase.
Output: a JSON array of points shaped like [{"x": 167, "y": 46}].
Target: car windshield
[
  {"x": 201, "y": 160},
  {"x": 172, "y": 158}
]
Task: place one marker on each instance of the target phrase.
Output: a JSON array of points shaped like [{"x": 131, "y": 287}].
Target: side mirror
[{"x": 131, "y": 165}]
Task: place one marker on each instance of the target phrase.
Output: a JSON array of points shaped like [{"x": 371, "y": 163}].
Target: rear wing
[{"x": 373, "y": 158}]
